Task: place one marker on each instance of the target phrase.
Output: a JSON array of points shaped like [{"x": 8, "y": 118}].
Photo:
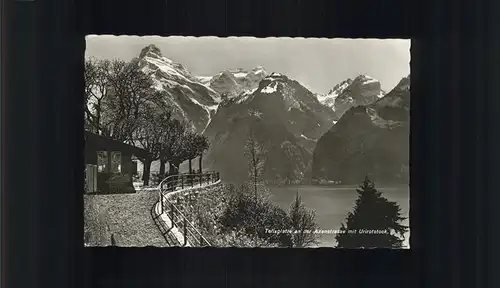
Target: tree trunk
[
  {"x": 255, "y": 186},
  {"x": 146, "y": 172},
  {"x": 162, "y": 168},
  {"x": 255, "y": 171},
  {"x": 98, "y": 117},
  {"x": 171, "y": 168},
  {"x": 175, "y": 166},
  {"x": 190, "y": 167},
  {"x": 199, "y": 162}
]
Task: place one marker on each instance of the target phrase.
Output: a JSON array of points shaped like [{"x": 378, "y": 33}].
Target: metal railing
[
  {"x": 162, "y": 227},
  {"x": 185, "y": 180},
  {"x": 185, "y": 226}
]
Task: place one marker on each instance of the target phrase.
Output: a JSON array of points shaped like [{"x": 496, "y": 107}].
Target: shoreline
[{"x": 346, "y": 186}]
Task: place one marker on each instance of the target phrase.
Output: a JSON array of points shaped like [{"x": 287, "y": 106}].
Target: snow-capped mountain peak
[
  {"x": 278, "y": 88},
  {"x": 328, "y": 99},
  {"x": 153, "y": 62},
  {"x": 365, "y": 79},
  {"x": 188, "y": 98},
  {"x": 275, "y": 75},
  {"x": 234, "y": 82},
  {"x": 362, "y": 90},
  {"x": 285, "y": 114},
  {"x": 151, "y": 51},
  {"x": 259, "y": 70}
]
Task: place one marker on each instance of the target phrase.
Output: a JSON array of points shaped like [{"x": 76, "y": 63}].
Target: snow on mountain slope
[
  {"x": 271, "y": 88},
  {"x": 363, "y": 90},
  {"x": 280, "y": 100},
  {"x": 234, "y": 82},
  {"x": 370, "y": 140},
  {"x": 172, "y": 74},
  {"x": 205, "y": 80},
  {"x": 189, "y": 98},
  {"x": 286, "y": 116},
  {"x": 329, "y": 98}
]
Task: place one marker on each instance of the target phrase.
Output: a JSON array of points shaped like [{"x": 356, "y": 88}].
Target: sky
[{"x": 317, "y": 63}]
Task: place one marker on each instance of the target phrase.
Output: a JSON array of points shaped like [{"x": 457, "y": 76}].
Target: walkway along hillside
[
  {"x": 125, "y": 216},
  {"x": 174, "y": 191}
]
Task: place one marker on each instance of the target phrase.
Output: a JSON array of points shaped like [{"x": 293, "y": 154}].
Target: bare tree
[
  {"x": 303, "y": 224},
  {"x": 97, "y": 89},
  {"x": 131, "y": 92},
  {"x": 256, "y": 155}
]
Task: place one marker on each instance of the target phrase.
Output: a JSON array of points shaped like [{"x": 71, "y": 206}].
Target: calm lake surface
[{"x": 333, "y": 203}]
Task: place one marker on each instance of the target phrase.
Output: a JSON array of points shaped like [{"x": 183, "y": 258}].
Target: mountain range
[
  {"x": 298, "y": 128},
  {"x": 368, "y": 140},
  {"x": 283, "y": 115},
  {"x": 231, "y": 83},
  {"x": 363, "y": 90}
]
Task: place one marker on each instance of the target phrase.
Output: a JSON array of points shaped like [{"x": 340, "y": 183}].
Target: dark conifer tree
[{"x": 374, "y": 223}]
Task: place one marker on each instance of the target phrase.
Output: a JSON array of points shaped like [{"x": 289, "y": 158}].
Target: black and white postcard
[{"x": 247, "y": 142}]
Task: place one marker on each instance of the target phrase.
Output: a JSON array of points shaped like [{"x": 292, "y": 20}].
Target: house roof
[{"x": 97, "y": 142}]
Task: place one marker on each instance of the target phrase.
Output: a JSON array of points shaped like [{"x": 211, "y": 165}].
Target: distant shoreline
[
  {"x": 347, "y": 186},
  {"x": 326, "y": 185}
]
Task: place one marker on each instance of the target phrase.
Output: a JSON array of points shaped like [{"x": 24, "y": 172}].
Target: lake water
[{"x": 332, "y": 204}]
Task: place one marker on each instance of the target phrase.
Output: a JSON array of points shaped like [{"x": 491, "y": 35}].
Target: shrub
[
  {"x": 156, "y": 178},
  {"x": 230, "y": 216},
  {"x": 253, "y": 215}
]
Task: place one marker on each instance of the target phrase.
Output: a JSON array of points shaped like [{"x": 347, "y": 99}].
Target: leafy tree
[
  {"x": 374, "y": 223},
  {"x": 177, "y": 145},
  {"x": 180, "y": 150},
  {"x": 153, "y": 124},
  {"x": 169, "y": 138},
  {"x": 186, "y": 145},
  {"x": 256, "y": 155},
  {"x": 202, "y": 145},
  {"x": 303, "y": 223},
  {"x": 190, "y": 146},
  {"x": 195, "y": 144}
]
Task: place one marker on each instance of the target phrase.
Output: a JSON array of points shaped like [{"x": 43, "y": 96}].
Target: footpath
[{"x": 125, "y": 216}]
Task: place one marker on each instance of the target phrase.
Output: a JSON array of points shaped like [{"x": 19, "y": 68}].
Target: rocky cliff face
[
  {"x": 368, "y": 140},
  {"x": 363, "y": 90},
  {"x": 286, "y": 117},
  {"x": 234, "y": 82},
  {"x": 185, "y": 94}
]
